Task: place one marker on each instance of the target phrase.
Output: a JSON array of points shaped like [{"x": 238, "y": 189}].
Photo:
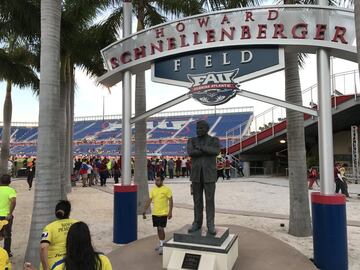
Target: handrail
[
  {"x": 162, "y": 114},
  {"x": 275, "y": 114}
]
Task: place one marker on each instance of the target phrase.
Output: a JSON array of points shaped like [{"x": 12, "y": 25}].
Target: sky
[{"x": 89, "y": 97}]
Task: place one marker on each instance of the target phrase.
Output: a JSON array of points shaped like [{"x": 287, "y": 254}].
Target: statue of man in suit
[{"x": 203, "y": 150}]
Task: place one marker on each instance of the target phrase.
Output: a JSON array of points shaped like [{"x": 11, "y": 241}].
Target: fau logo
[{"x": 214, "y": 88}]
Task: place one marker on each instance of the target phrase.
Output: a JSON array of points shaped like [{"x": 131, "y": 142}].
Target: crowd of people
[
  {"x": 93, "y": 170},
  {"x": 181, "y": 167}
]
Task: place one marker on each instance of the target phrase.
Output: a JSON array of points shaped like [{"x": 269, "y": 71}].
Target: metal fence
[{"x": 344, "y": 83}]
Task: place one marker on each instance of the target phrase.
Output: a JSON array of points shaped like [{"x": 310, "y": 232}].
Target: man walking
[
  {"x": 161, "y": 196},
  {"x": 171, "y": 168},
  {"x": 7, "y": 207}
]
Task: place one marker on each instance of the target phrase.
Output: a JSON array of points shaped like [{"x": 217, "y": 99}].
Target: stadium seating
[{"x": 166, "y": 135}]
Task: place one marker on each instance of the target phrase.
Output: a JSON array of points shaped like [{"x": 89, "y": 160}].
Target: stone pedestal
[{"x": 201, "y": 251}]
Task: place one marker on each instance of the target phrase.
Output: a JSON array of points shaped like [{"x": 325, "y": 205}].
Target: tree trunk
[
  {"x": 64, "y": 85},
  {"x": 66, "y": 181},
  {"x": 140, "y": 128},
  {"x": 357, "y": 25},
  {"x": 71, "y": 119},
  {"x": 299, "y": 223},
  {"x": 47, "y": 191},
  {"x": 6, "y": 131},
  {"x": 140, "y": 144}
]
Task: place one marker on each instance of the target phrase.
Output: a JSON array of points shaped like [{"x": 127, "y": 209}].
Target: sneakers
[
  {"x": 157, "y": 247},
  {"x": 160, "y": 250}
]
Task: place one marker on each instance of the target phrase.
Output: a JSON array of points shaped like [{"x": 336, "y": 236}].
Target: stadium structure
[
  {"x": 167, "y": 133},
  {"x": 258, "y": 141}
]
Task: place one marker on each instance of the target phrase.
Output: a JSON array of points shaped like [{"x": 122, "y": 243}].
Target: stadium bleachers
[{"x": 166, "y": 135}]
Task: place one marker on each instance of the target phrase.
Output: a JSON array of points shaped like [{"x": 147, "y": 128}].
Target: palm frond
[
  {"x": 21, "y": 17},
  {"x": 177, "y": 8},
  {"x": 14, "y": 69},
  {"x": 152, "y": 16},
  {"x": 86, "y": 50},
  {"x": 114, "y": 21}
]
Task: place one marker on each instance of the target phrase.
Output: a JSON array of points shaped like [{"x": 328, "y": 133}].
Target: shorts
[{"x": 159, "y": 221}]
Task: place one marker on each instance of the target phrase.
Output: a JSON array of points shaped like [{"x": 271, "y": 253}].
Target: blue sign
[{"x": 213, "y": 75}]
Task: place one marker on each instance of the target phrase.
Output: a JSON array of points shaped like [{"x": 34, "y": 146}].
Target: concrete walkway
[{"x": 257, "y": 251}]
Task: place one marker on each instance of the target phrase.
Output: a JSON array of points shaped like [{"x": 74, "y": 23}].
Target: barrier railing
[{"x": 344, "y": 83}]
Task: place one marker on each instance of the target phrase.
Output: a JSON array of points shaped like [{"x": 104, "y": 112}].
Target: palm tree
[
  {"x": 299, "y": 221},
  {"x": 47, "y": 175},
  {"x": 18, "y": 64},
  {"x": 78, "y": 43},
  {"x": 17, "y": 68},
  {"x": 81, "y": 42}
]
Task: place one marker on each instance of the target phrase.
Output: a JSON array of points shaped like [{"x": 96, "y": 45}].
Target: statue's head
[{"x": 202, "y": 128}]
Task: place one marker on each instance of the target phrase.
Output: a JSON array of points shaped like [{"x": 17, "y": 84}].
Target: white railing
[
  {"x": 162, "y": 114},
  {"x": 171, "y": 113},
  {"x": 344, "y": 83}
]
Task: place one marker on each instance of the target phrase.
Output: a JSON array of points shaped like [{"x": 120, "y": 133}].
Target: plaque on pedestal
[
  {"x": 201, "y": 236},
  {"x": 184, "y": 255}
]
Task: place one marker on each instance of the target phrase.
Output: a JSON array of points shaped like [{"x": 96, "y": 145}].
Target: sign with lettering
[
  {"x": 213, "y": 76},
  {"x": 297, "y": 27},
  {"x": 191, "y": 261}
]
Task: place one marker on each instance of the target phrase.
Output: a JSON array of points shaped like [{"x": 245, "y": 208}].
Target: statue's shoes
[
  {"x": 194, "y": 228},
  {"x": 211, "y": 231}
]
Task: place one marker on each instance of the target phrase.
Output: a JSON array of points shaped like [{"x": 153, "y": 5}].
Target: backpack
[{"x": 84, "y": 167}]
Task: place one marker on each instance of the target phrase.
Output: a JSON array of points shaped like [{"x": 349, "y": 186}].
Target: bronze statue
[{"x": 203, "y": 150}]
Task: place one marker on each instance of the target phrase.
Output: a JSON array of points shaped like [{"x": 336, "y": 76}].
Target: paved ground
[
  {"x": 261, "y": 204},
  {"x": 257, "y": 250}
]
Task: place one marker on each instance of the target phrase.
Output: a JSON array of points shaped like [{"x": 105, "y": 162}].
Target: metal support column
[
  {"x": 126, "y": 129},
  {"x": 328, "y": 209},
  {"x": 125, "y": 194},
  {"x": 326, "y": 153},
  {"x": 126, "y": 103}
]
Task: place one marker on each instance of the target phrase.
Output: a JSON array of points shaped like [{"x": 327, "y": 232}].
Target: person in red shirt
[{"x": 312, "y": 178}]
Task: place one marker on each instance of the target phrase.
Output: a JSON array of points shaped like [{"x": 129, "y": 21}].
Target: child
[{"x": 161, "y": 196}]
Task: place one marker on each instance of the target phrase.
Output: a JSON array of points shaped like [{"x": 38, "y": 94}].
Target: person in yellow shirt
[
  {"x": 53, "y": 238},
  {"x": 4, "y": 257},
  {"x": 161, "y": 196},
  {"x": 7, "y": 207},
  {"x": 80, "y": 253}
]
